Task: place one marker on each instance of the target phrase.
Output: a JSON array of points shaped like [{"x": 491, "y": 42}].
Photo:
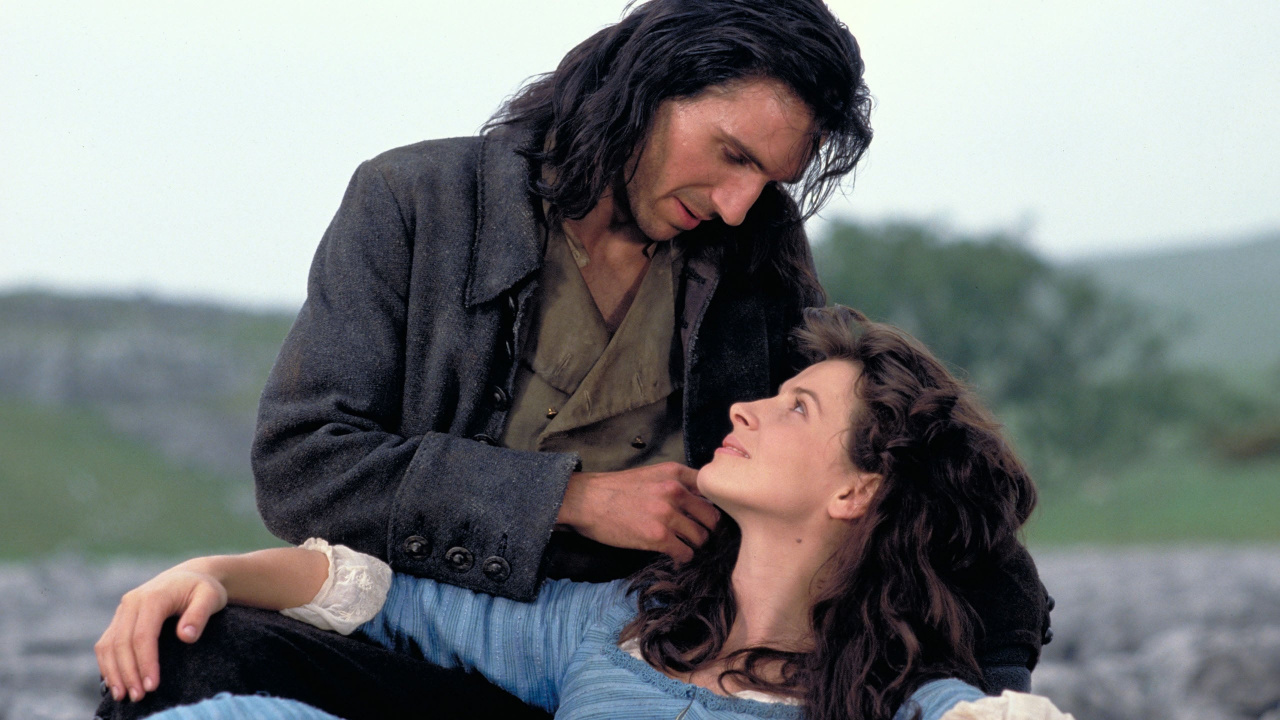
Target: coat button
[
  {"x": 497, "y": 569},
  {"x": 511, "y": 303},
  {"x": 1049, "y": 603},
  {"x": 510, "y": 348},
  {"x": 416, "y": 546},
  {"x": 1048, "y": 636},
  {"x": 638, "y": 443},
  {"x": 552, "y": 412},
  {"x": 459, "y": 559},
  {"x": 501, "y": 400},
  {"x": 486, "y": 439}
]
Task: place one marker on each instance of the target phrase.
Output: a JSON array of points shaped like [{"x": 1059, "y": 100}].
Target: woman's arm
[
  {"x": 523, "y": 648},
  {"x": 274, "y": 579}
]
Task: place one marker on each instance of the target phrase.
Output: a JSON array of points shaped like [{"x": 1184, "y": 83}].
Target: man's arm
[
  {"x": 332, "y": 457},
  {"x": 1013, "y": 608}
]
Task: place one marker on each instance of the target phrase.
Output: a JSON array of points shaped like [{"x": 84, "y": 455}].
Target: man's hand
[
  {"x": 655, "y": 507},
  {"x": 128, "y": 652}
]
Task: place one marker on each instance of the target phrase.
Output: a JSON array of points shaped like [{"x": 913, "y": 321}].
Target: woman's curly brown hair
[{"x": 889, "y": 617}]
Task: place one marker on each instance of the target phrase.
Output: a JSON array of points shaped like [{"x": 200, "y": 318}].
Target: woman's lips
[{"x": 731, "y": 446}]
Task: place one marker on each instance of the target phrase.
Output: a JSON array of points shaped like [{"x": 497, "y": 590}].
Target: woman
[{"x": 857, "y": 498}]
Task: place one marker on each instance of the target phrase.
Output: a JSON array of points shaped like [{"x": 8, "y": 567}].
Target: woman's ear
[{"x": 853, "y": 499}]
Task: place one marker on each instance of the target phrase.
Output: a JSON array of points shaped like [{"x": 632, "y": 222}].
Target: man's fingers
[
  {"x": 687, "y": 476},
  {"x": 678, "y": 550},
  {"x": 701, "y": 511},
  {"x": 689, "y": 532}
]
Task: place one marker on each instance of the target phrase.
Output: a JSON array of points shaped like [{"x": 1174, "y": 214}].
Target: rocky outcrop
[
  {"x": 1154, "y": 634},
  {"x": 1168, "y": 634},
  {"x": 181, "y": 378}
]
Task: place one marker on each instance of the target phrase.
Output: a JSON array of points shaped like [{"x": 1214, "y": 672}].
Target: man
[{"x": 516, "y": 347}]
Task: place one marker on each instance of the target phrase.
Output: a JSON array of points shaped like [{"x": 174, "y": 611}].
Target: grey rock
[
  {"x": 1163, "y": 633},
  {"x": 1142, "y": 633}
]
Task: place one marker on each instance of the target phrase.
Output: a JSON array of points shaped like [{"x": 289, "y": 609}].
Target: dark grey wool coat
[{"x": 376, "y": 427}]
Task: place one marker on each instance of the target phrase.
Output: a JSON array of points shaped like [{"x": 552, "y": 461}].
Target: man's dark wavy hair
[
  {"x": 598, "y": 105},
  {"x": 890, "y": 616}
]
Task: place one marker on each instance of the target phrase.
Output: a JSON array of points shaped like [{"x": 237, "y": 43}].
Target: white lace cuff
[
  {"x": 1009, "y": 706},
  {"x": 352, "y": 594}
]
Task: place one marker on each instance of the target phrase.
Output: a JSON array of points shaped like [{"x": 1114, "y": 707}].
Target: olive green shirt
[
  {"x": 610, "y": 397},
  {"x": 607, "y": 396}
]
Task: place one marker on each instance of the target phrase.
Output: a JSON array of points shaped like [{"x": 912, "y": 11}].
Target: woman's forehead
[{"x": 834, "y": 379}]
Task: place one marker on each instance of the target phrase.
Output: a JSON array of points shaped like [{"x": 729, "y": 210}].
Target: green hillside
[
  {"x": 125, "y": 422},
  {"x": 1222, "y": 303},
  {"x": 70, "y": 484},
  {"x": 1181, "y": 495}
]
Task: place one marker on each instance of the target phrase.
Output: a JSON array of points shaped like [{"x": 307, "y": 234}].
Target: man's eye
[{"x": 736, "y": 159}]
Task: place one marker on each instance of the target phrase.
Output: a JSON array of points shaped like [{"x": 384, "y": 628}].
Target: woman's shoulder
[
  {"x": 936, "y": 697},
  {"x": 605, "y": 599}
]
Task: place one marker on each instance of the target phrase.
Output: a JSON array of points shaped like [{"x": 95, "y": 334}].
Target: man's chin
[{"x": 658, "y": 232}]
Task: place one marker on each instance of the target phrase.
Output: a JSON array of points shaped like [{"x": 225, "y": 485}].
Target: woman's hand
[{"x": 128, "y": 655}]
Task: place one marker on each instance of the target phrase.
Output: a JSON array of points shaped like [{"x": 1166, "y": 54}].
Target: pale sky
[{"x": 199, "y": 149}]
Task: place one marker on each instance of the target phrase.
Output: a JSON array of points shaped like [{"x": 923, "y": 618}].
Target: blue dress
[{"x": 559, "y": 653}]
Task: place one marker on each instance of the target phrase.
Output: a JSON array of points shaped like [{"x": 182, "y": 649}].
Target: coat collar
[{"x": 508, "y": 239}]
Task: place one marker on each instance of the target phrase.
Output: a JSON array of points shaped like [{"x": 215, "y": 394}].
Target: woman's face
[{"x": 786, "y": 458}]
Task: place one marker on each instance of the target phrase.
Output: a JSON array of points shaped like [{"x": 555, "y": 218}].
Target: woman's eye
[{"x": 799, "y": 407}]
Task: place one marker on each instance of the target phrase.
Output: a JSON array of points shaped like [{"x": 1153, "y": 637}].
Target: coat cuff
[{"x": 478, "y": 516}]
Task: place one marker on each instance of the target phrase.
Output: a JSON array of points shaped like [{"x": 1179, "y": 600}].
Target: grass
[
  {"x": 69, "y": 484},
  {"x": 1179, "y": 496}
]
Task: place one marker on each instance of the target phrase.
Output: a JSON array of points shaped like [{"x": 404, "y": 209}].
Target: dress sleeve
[
  {"x": 524, "y": 648},
  {"x": 352, "y": 594},
  {"x": 937, "y": 697},
  {"x": 332, "y": 454}
]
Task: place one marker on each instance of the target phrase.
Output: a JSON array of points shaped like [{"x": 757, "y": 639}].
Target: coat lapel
[{"x": 508, "y": 241}]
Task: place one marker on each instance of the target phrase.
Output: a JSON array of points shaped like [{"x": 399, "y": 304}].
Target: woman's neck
[{"x": 774, "y": 582}]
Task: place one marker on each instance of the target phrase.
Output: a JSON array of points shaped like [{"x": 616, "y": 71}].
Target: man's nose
[{"x": 734, "y": 197}]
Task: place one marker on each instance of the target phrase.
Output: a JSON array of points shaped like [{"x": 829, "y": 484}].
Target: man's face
[{"x": 711, "y": 155}]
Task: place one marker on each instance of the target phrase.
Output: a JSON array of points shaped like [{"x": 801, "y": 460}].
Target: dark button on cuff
[
  {"x": 1048, "y": 636},
  {"x": 1049, "y": 603},
  {"x": 500, "y": 398},
  {"x": 459, "y": 559},
  {"x": 416, "y": 546},
  {"x": 486, "y": 439},
  {"x": 497, "y": 569},
  {"x": 638, "y": 443}
]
